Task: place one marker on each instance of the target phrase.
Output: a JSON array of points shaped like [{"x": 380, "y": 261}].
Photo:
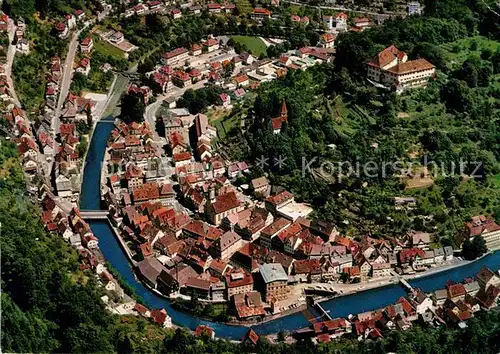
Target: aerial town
[{"x": 211, "y": 237}]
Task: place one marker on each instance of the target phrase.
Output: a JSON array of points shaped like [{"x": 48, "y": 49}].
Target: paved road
[
  {"x": 150, "y": 112},
  {"x": 386, "y": 15},
  {"x": 10, "y": 59},
  {"x": 66, "y": 78}
]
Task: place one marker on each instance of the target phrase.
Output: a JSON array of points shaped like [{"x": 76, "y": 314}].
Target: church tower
[{"x": 284, "y": 111}]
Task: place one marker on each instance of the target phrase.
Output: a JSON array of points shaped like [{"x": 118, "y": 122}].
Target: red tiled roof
[
  {"x": 67, "y": 129},
  {"x": 146, "y": 249},
  {"x": 210, "y": 42},
  {"x": 456, "y": 290},
  {"x": 328, "y": 37},
  {"x": 261, "y": 11},
  {"x": 329, "y": 326},
  {"x": 481, "y": 224},
  {"x": 411, "y": 66},
  {"x": 277, "y": 225},
  {"x": 182, "y": 156},
  {"x": 241, "y": 78},
  {"x": 323, "y": 338},
  {"x": 84, "y": 62},
  {"x": 307, "y": 266},
  {"x": 387, "y": 56},
  {"x": 198, "y": 284},
  {"x": 279, "y": 198},
  {"x": 146, "y": 192},
  {"x": 201, "y": 329},
  {"x": 354, "y": 271},
  {"x": 292, "y": 230},
  {"x": 195, "y": 73},
  {"x": 166, "y": 70},
  {"x": 182, "y": 75},
  {"x": 252, "y": 336},
  {"x": 61, "y": 26},
  {"x": 226, "y": 202},
  {"x": 407, "y": 307},
  {"x": 159, "y": 316},
  {"x": 86, "y": 41},
  {"x": 153, "y": 3},
  {"x": 141, "y": 309},
  {"x": 361, "y": 19},
  {"x": 247, "y": 279},
  {"x": 195, "y": 47},
  {"x": 174, "y": 53}
]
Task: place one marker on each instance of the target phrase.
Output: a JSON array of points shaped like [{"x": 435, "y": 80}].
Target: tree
[
  {"x": 456, "y": 95},
  {"x": 479, "y": 246},
  {"x": 344, "y": 277},
  {"x": 475, "y": 248},
  {"x": 133, "y": 107},
  {"x": 82, "y": 146},
  {"x": 79, "y": 82},
  {"x": 281, "y": 336}
]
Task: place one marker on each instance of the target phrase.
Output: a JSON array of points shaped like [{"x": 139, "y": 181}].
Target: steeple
[{"x": 284, "y": 111}]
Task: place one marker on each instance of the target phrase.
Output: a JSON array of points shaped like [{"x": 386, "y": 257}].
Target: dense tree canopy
[{"x": 133, "y": 107}]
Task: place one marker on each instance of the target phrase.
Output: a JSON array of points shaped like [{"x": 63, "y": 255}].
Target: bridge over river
[{"x": 94, "y": 214}]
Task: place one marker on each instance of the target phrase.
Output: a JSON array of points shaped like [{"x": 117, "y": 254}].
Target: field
[
  {"x": 254, "y": 44},
  {"x": 244, "y": 6}
]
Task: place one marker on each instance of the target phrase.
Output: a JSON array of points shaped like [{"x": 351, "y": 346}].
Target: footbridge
[
  {"x": 94, "y": 214},
  {"x": 322, "y": 311},
  {"x": 405, "y": 284}
]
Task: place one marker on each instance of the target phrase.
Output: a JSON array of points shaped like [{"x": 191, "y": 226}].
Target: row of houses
[{"x": 451, "y": 306}]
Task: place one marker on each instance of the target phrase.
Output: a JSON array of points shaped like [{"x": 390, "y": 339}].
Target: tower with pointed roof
[
  {"x": 278, "y": 122},
  {"x": 284, "y": 111}
]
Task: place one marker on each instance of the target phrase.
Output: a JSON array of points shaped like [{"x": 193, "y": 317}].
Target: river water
[{"x": 339, "y": 307}]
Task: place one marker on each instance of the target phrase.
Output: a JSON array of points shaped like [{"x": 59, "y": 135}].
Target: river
[{"x": 338, "y": 307}]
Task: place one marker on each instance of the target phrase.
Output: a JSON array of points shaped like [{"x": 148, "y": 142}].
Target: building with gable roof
[
  {"x": 392, "y": 68},
  {"x": 277, "y": 122}
]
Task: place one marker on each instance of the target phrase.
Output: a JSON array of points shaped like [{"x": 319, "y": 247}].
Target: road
[
  {"x": 66, "y": 78},
  {"x": 10, "y": 60},
  {"x": 150, "y": 112},
  {"x": 386, "y": 15}
]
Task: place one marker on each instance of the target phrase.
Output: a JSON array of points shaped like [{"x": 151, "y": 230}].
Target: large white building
[
  {"x": 487, "y": 228},
  {"x": 175, "y": 56},
  {"x": 392, "y": 68}
]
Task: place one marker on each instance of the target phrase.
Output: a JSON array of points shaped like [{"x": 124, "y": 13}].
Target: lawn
[
  {"x": 254, "y": 44},
  {"x": 223, "y": 123},
  {"x": 107, "y": 48},
  {"x": 457, "y": 52}
]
